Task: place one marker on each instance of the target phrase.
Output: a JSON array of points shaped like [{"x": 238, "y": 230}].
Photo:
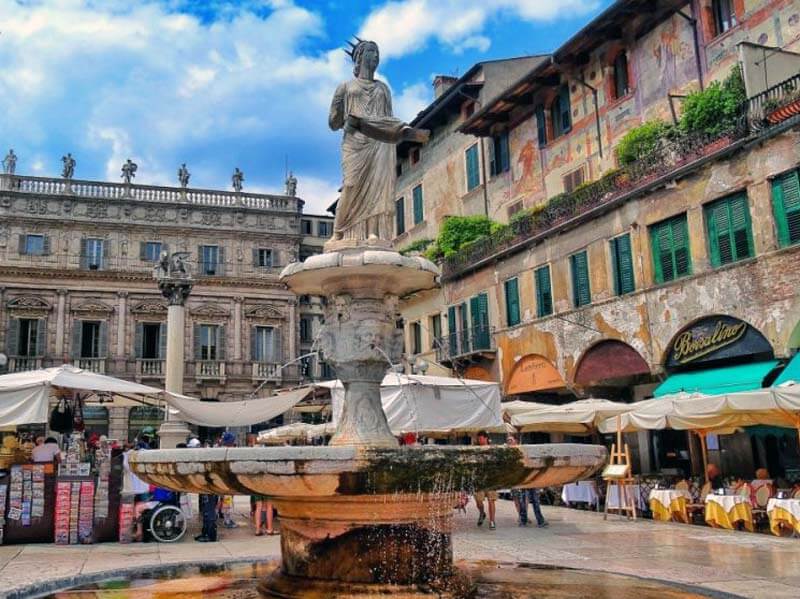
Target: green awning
[
  {"x": 790, "y": 373},
  {"x": 715, "y": 381}
]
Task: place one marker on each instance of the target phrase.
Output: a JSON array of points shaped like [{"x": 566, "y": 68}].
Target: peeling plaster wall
[{"x": 761, "y": 290}]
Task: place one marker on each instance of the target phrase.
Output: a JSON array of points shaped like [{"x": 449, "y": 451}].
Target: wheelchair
[{"x": 165, "y": 522}]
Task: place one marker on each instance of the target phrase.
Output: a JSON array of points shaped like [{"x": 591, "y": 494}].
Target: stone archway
[{"x": 610, "y": 361}]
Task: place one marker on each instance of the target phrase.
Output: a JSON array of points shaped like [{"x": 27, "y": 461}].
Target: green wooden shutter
[
  {"x": 102, "y": 342},
  {"x": 419, "y": 212},
  {"x": 740, "y": 225},
  {"x": 473, "y": 172},
  {"x": 162, "y": 341},
  {"x": 465, "y": 329},
  {"x": 581, "y": 292},
  {"x": 138, "y": 340},
  {"x": 512, "y": 302},
  {"x": 400, "y": 216},
  {"x": 729, "y": 233},
  {"x": 786, "y": 205},
  {"x": 670, "y": 244},
  {"x": 41, "y": 337},
  {"x": 479, "y": 310},
  {"x": 680, "y": 244},
  {"x": 198, "y": 348},
  {"x": 12, "y": 337},
  {"x": 622, "y": 261},
  {"x": 452, "y": 335},
  {"x": 77, "y": 338},
  {"x": 544, "y": 293}
]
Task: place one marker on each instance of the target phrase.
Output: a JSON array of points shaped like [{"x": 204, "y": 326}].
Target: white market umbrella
[{"x": 577, "y": 417}]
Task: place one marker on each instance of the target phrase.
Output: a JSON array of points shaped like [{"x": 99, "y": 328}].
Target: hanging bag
[{"x": 61, "y": 418}]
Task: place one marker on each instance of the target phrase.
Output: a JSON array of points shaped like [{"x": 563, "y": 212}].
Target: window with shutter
[
  {"x": 581, "y": 292},
  {"x": 150, "y": 339},
  {"x": 150, "y": 251},
  {"x": 621, "y": 84},
  {"x": 12, "y": 337},
  {"x": 479, "y": 307},
  {"x": 34, "y": 245},
  {"x": 95, "y": 251},
  {"x": 724, "y": 15},
  {"x": 208, "y": 342},
  {"x": 452, "y": 331},
  {"x": 561, "y": 112},
  {"x": 435, "y": 330},
  {"x": 670, "y": 245},
  {"x": 500, "y": 157},
  {"x": 512, "y": 302},
  {"x": 541, "y": 126},
  {"x": 400, "y": 215},
  {"x": 419, "y": 211},
  {"x": 622, "y": 264},
  {"x": 786, "y": 206},
  {"x": 416, "y": 338},
  {"x": 729, "y": 233},
  {"x": 465, "y": 336},
  {"x": 209, "y": 259},
  {"x": 473, "y": 170},
  {"x": 544, "y": 293},
  {"x": 162, "y": 341},
  {"x": 264, "y": 258}
]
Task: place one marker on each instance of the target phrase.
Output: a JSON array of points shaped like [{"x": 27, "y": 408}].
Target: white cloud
[
  {"x": 411, "y": 100},
  {"x": 404, "y": 26}
]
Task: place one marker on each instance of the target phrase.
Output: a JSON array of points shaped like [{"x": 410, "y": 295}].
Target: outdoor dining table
[
  {"x": 584, "y": 491},
  {"x": 724, "y": 511},
  {"x": 634, "y": 490},
  {"x": 669, "y": 504},
  {"x": 784, "y": 512}
]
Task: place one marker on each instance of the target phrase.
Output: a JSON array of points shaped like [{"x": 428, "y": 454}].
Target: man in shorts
[{"x": 490, "y": 496}]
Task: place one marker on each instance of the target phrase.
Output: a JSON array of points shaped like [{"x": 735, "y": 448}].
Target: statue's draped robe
[{"x": 368, "y": 161}]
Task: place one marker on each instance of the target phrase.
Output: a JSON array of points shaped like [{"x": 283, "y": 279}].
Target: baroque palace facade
[
  {"x": 76, "y": 265},
  {"x": 612, "y": 281}
]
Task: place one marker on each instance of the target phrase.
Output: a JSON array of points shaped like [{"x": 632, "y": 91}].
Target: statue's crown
[{"x": 352, "y": 51}]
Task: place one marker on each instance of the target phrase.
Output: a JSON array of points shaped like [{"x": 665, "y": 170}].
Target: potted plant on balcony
[{"x": 780, "y": 109}]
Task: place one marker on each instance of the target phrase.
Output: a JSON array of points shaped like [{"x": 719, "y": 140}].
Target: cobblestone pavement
[{"x": 746, "y": 564}]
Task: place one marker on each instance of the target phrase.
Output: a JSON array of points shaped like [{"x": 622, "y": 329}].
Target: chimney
[{"x": 441, "y": 83}]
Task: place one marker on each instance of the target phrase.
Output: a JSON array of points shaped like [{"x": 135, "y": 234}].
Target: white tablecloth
[
  {"x": 790, "y": 505},
  {"x": 583, "y": 491},
  {"x": 666, "y": 496},
  {"x": 727, "y": 501},
  {"x": 613, "y": 496}
]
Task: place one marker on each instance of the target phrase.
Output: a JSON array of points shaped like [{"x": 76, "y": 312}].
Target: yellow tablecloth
[
  {"x": 724, "y": 511},
  {"x": 786, "y": 512},
  {"x": 669, "y": 504}
]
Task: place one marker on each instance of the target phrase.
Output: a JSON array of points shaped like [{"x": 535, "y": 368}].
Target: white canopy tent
[
  {"x": 25, "y": 396},
  {"x": 433, "y": 404},
  {"x": 577, "y": 417},
  {"x": 235, "y": 413}
]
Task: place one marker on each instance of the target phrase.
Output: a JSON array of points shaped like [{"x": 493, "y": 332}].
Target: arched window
[
  {"x": 561, "y": 112},
  {"x": 621, "y": 82}
]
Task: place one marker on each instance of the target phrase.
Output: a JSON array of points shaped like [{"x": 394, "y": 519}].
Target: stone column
[
  {"x": 175, "y": 284},
  {"x": 237, "y": 327},
  {"x": 61, "y": 323},
  {"x": 294, "y": 333},
  {"x": 122, "y": 317}
]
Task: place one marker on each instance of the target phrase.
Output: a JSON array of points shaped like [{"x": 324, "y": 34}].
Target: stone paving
[{"x": 745, "y": 564}]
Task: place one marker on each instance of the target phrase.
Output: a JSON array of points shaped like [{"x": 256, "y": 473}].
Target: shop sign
[
  {"x": 716, "y": 338},
  {"x": 533, "y": 373}
]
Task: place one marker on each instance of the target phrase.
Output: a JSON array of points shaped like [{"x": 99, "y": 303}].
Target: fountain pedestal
[{"x": 360, "y": 338}]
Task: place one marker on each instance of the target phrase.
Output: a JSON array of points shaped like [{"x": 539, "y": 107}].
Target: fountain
[{"x": 363, "y": 516}]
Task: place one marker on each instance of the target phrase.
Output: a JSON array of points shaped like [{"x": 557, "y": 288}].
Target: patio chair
[
  {"x": 699, "y": 507},
  {"x": 760, "y": 499},
  {"x": 796, "y": 492}
]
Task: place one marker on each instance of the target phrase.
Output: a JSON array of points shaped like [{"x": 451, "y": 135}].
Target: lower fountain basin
[
  {"x": 376, "y": 520},
  {"x": 354, "y": 471}
]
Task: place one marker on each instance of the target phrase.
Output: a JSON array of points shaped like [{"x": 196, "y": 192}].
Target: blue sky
[{"x": 219, "y": 84}]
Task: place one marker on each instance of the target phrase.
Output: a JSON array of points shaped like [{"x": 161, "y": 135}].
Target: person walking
[
  {"x": 489, "y": 496},
  {"x": 523, "y": 496}
]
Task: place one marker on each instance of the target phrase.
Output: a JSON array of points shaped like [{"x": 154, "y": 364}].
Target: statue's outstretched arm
[{"x": 336, "y": 116}]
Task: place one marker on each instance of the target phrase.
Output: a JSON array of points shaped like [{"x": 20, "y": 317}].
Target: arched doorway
[
  {"x": 532, "y": 374},
  {"x": 610, "y": 363}
]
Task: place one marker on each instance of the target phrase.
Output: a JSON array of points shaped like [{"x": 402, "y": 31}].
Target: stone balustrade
[
  {"x": 23, "y": 363},
  {"x": 148, "y": 193},
  {"x": 97, "y": 365},
  {"x": 266, "y": 371}
]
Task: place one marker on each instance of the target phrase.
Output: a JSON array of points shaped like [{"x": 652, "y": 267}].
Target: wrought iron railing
[
  {"x": 148, "y": 193},
  {"x": 667, "y": 158},
  {"x": 762, "y": 106},
  {"x": 464, "y": 343}
]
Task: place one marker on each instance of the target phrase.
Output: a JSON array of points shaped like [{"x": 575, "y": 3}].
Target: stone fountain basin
[{"x": 357, "y": 471}]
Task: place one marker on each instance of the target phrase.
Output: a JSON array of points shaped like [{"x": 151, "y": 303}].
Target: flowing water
[{"x": 492, "y": 581}]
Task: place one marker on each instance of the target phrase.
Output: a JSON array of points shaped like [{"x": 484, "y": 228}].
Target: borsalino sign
[{"x": 716, "y": 338}]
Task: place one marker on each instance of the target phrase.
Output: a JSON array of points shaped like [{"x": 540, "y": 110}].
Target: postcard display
[
  {"x": 74, "y": 510},
  {"x": 25, "y": 495}
]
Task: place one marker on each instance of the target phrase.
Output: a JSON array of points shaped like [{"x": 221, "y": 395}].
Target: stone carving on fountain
[{"x": 364, "y": 517}]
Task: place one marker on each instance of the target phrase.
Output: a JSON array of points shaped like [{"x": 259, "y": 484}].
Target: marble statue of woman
[{"x": 363, "y": 108}]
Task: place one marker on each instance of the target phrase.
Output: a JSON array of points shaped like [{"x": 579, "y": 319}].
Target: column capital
[
  {"x": 175, "y": 290},
  {"x": 62, "y": 291},
  {"x": 122, "y": 294},
  {"x": 238, "y": 299}
]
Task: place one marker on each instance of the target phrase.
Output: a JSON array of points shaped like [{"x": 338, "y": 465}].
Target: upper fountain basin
[
  {"x": 349, "y": 471},
  {"x": 361, "y": 271}
]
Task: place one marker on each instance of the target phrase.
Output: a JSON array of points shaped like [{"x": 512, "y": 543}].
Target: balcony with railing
[
  {"x": 267, "y": 371},
  {"x": 775, "y": 105},
  {"x": 147, "y": 368},
  {"x": 205, "y": 370},
  {"x": 103, "y": 190},
  {"x": 97, "y": 365},
  {"x": 23, "y": 363},
  {"x": 466, "y": 345}
]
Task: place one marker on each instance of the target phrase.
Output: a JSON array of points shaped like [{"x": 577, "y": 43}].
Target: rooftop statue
[
  {"x": 129, "y": 171},
  {"x": 291, "y": 185},
  {"x": 363, "y": 108},
  {"x": 237, "y": 179},
  {"x": 69, "y": 166},
  {"x": 10, "y": 163},
  {"x": 183, "y": 175}
]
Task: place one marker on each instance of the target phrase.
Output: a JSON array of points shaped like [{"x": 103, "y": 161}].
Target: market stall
[{"x": 68, "y": 489}]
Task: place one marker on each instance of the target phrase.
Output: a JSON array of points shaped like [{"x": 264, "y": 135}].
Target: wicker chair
[{"x": 698, "y": 506}]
